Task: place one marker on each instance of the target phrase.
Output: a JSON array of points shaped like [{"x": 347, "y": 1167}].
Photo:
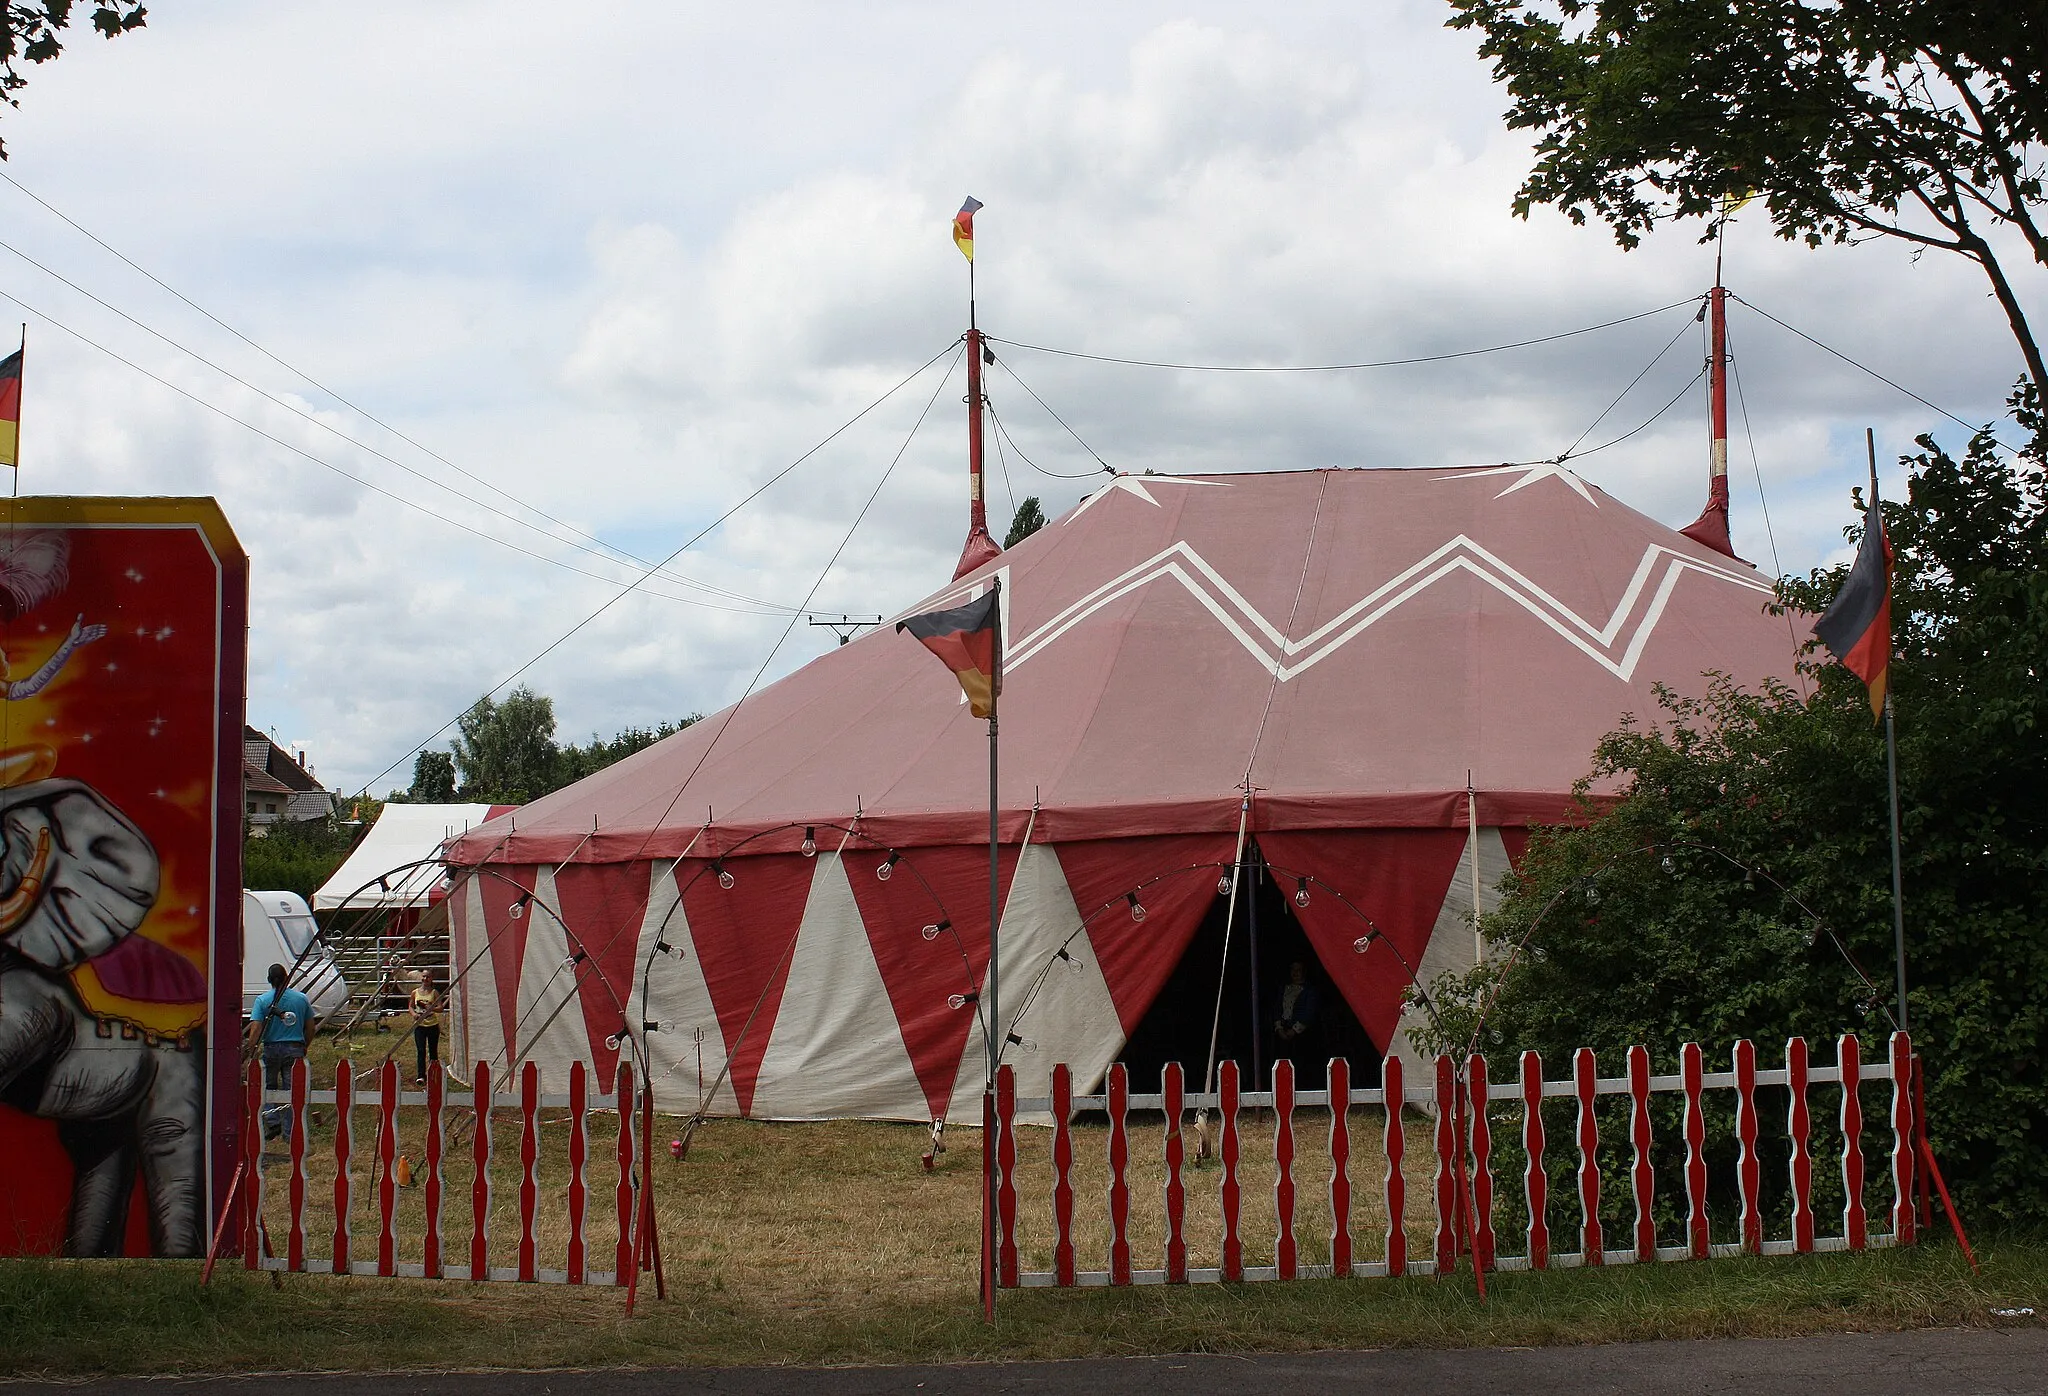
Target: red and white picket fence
[
  {"x": 371, "y": 1162},
  {"x": 1459, "y": 1165}
]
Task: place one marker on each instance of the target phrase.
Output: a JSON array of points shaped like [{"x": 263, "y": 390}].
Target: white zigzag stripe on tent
[{"x": 1271, "y": 648}]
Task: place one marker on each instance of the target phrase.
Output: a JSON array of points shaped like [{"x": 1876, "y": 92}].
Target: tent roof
[
  {"x": 1352, "y": 642},
  {"x": 404, "y": 835}
]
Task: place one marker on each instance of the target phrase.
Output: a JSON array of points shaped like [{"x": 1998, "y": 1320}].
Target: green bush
[{"x": 1737, "y": 882}]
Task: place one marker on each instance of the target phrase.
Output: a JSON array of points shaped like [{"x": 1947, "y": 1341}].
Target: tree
[
  {"x": 1743, "y": 875},
  {"x": 433, "y": 778},
  {"x": 576, "y": 762},
  {"x": 1028, "y": 519},
  {"x": 296, "y": 855},
  {"x": 1920, "y": 120},
  {"x": 505, "y": 750},
  {"x": 35, "y": 31}
]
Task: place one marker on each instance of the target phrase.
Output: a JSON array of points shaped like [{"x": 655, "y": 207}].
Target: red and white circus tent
[{"x": 1357, "y": 649}]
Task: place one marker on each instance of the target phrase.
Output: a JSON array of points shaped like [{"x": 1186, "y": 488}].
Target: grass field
[{"x": 829, "y": 1243}]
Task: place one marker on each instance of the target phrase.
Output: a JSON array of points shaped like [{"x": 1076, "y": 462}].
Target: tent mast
[
  {"x": 980, "y": 547},
  {"x": 1711, "y": 527}
]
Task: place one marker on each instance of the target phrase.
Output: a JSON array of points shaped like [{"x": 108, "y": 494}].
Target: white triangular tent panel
[
  {"x": 688, "y": 1050},
  {"x": 1069, "y": 1017},
  {"x": 473, "y": 993},
  {"x": 837, "y": 1049},
  {"x": 1451, "y": 947},
  {"x": 549, "y": 1028}
]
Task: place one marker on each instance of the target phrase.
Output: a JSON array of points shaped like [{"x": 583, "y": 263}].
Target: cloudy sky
[{"x": 590, "y": 276}]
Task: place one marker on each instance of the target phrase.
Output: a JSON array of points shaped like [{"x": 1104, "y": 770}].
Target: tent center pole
[{"x": 1257, "y": 867}]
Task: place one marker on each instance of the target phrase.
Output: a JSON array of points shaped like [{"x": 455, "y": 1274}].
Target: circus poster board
[{"x": 123, "y": 626}]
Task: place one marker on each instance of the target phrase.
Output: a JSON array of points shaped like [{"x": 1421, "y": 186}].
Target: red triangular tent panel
[
  {"x": 500, "y": 888},
  {"x": 1175, "y": 879},
  {"x": 602, "y": 908},
  {"x": 1397, "y": 878},
  {"x": 743, "y": 943},
  {"x": 927, "y": 886}
]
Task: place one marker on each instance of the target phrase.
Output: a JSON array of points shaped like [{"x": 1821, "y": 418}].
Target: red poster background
[{"x": 150, "y": 716}]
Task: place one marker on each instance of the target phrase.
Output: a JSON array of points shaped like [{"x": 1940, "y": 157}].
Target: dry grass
[
  {"x": 792, "y": 1212},
  {"x": 830, "y": 1243}
]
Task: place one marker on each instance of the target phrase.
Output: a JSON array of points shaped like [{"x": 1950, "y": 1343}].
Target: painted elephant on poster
[{"x": 101, "y": 1030}]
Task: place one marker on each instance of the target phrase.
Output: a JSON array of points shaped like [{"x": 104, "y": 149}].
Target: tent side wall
[{"x": 819, "y": 988}]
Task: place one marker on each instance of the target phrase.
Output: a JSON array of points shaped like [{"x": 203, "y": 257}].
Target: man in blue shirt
[{"x": 282, "y": 1020}]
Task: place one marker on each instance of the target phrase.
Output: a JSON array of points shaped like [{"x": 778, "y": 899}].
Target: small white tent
[{"x": 394, "y": 864}]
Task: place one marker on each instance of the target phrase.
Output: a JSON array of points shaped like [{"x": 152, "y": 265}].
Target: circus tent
[{"x": 1355, "y": 671}]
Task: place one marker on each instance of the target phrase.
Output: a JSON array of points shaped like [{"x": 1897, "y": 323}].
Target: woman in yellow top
[{"x": 425, "y": 1005}]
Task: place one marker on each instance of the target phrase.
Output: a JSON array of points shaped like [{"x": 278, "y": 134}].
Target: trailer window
[{"x": 298, "y": 932}]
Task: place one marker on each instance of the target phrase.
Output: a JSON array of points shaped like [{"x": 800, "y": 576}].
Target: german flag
[
  {"x": 10, "y": 409},
  {"x": 969, "y": 641},
  {"x": 1858, "y": 626},
  {"x": 963, "y": 227}
]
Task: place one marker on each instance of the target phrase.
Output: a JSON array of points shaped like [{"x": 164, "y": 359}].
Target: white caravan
[{"x": 278, "y": 929}]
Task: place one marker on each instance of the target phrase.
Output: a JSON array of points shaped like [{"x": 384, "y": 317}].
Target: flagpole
[
  {"x": 1891, "y": 767},
  {"x": 15, "y": 485},
  {"x": 996, "y": 1034}
]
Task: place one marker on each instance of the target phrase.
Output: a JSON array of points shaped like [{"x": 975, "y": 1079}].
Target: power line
[
  {"x": 1644, "y": 425},
  {"x": 1339, "y": 368},
  {"x": 365, "y": 447},
  {"x": 300, "y": 373},
  {"x": 1003, "y": 434},
  {"x": 1057, "y": 418},
  {"x": 830, "y": 563},
  {"x": 690, "y": 542},
  {"x": 1894, "y": 386},
  {"x": 1625, "y": 391},
  {"x": 400, "y": 499}
]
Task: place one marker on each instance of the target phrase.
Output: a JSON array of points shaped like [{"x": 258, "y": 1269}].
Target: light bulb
[
  {"x": 1670, "y": 864},
  {"x": 1223, "y": 885},
  {"x": 959, "y": 1000},
  {"x": 1301, "y": 891},
  {"x": 611, "y": 1042},
  {"x": 888, "y": 866},
  {"x": 933, "y": 931},
  {"x": 1362, "y": 944},
  {"x": 1592, "y": 895},
  {"x": 1137, "y": 907},
  {"x": 518, "y": 909}
]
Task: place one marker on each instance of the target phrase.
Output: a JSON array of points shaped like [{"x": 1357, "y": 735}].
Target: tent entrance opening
[{"x": 1266, "y": 941}]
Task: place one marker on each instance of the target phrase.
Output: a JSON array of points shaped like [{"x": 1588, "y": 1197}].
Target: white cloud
[{"x": 628, "y": 271}]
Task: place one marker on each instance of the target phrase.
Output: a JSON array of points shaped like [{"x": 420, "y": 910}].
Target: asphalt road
[{"x": 1929, "y": 1363}]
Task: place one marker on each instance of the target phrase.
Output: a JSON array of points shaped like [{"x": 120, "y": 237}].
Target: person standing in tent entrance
[
  {"x": 425, "y": 1004},
  {"x": 281, "y": 1023},
  {"x": 1295, "y": 1025}
]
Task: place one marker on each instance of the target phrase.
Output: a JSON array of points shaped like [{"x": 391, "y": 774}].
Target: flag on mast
[
  {"x": 1857, "y": 628},
  {"x": 963, "y": 227},
  {"x": 10, "y": 409},
  {"x": 969, "y": 641}
]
